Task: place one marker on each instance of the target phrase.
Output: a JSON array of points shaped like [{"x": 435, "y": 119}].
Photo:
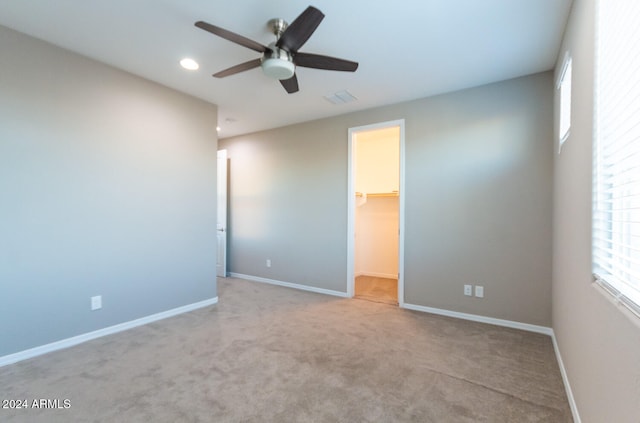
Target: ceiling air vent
[{"x": 341, "y": 97}]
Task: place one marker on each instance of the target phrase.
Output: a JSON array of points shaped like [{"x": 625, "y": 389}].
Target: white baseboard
[
  {"x": 565, "y": 380},
  {"x": 289, "y": 285},
  {"x": 69, "y": 342},
  {"x": 482, "y": 319}
]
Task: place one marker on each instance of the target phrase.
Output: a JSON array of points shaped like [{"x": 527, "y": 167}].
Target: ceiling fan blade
[
  {"x": 291, "y": 84},
  {"x": 238, "y": 68},
  {"x": 231, "y": 36},
  {"x": 300, "y": 30},
  {"x": 317, "y": 61}
]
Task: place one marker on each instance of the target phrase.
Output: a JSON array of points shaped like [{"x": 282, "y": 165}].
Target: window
[
  {"x": 564, "y": 85},
  {"x": 616, "y": 196}
]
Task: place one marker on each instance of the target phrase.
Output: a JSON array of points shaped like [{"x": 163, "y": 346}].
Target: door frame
[
  {"x": 221, "y": 213},
  {"x": 351, "y": 209}
]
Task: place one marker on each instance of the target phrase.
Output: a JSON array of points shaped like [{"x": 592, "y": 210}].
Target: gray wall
[
  {"x": 598, "y": 340},
  {"x": 478, "y": 199},
  {"x": 107, "y": 187}
]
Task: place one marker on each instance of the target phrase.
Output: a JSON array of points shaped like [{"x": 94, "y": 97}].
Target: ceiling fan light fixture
[{"x": 278, "y": 68}]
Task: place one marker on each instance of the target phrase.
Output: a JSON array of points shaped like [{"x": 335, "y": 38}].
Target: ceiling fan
[{"x": 280, "y": 58}]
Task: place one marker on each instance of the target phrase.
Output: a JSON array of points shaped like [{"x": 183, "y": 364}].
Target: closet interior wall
[{"x": 377, "y": 202}]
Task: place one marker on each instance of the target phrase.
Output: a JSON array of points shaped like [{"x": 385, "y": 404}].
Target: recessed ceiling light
[
  {"x": 218, "y": 128},
  {"x": 189, "y": 64}
]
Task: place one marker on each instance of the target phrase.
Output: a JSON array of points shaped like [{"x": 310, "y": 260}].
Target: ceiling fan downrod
[{"x": 277, "y": 26}]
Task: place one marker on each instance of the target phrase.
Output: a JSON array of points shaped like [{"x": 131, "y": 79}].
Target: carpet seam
[{"x": 491, "y": 389}]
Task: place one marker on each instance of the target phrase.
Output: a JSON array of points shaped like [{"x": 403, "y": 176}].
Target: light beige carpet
[
  {"x": 380, "y": 290},
  {"x": 273, "y": 354}
]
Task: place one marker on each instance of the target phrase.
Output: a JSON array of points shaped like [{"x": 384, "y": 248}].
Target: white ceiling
[{"x": 407, "y": 49}]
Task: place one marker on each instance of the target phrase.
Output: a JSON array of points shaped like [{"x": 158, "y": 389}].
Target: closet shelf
[{"x": 378, "y": 194}]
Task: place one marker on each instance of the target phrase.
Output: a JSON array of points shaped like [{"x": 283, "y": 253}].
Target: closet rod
[{"x": 379, "y": 194}]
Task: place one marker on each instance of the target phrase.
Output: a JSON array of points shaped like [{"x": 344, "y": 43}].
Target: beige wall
[
  {"x": 478, "y": 199},
  {"x": 107, "y": 187},
  {"x": 599, "y": 341}
]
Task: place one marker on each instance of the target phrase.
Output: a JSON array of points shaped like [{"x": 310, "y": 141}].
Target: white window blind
[{"x": 616, "y": 197}]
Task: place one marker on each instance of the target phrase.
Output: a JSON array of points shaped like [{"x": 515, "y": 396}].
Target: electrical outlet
[
  {"x": 268, "y": 262},
  {"x": 479, "y": 291},
  {"x": 467, "y": 290},
  {"x": 96, "y": 302}
]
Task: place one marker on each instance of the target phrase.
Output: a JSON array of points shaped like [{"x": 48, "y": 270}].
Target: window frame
[{"x": 563, "y": 86}]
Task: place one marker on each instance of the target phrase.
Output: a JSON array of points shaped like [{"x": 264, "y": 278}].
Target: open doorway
[{"x": 376, "y": 206}]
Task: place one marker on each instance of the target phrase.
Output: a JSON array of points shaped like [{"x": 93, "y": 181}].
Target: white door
[{"x": 221, "y": 262}]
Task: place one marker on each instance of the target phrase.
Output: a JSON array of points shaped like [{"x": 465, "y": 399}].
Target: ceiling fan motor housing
[{"x": 278, "y": 63}]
